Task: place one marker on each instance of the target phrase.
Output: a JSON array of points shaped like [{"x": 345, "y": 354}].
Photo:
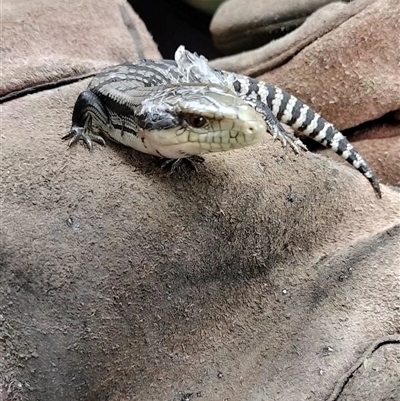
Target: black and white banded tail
[{"x": 301, "y": 118}]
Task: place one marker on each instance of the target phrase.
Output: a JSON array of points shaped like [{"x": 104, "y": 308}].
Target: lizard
[{"x": 183, "y": 108}]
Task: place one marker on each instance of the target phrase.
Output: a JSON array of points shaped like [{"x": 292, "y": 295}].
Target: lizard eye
[{"x": 196, "y": 121}]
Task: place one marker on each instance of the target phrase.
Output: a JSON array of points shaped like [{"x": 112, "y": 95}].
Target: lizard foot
[
  {"x": 286, "y": 137},
  {"x": 174, "y": 164},
  {"x": 275, "y": 128},
  {"x": 81, "y": 134}
]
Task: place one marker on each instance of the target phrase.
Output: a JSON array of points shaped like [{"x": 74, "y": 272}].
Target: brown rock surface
[
  {"x": 240, "y": 25},
  {"x": 116, "y": 276},
  {"x": 45, "y": 41},
  {"x": 265, "y": 275}
]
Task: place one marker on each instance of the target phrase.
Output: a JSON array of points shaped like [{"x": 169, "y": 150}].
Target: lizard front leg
[
  {"x": 87, "y": 107},
  {"x": 276, "y": 130},
  {"x": 174, "y": 164}
]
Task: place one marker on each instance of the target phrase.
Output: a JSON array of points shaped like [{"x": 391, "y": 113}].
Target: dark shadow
[{"x": 173, "y": 23}]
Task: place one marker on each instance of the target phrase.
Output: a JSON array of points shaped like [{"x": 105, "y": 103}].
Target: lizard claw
[
  {"x": 175, "y": 164},
  {"x": 281, "y": 136},
  {"x": 81, "y": 134},
  {"x": 285, "y": 137},
  {"x": 275, "y": 128},
  {"x": 172, "y": 164}
]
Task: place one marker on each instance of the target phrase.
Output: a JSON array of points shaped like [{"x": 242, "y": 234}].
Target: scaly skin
[
  {"x": 285, "y": 108},
  {"x": 184, "y": 108}
]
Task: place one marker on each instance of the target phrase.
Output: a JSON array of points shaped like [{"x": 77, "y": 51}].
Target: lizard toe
[
  {"x": 176, "y": 164},
  {"x": 81, "y": 134}
]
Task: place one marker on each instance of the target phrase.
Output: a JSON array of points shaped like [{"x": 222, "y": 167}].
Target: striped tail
[
  {"x": 285, "y": 107},
  {"x": 294, "y": 113}
]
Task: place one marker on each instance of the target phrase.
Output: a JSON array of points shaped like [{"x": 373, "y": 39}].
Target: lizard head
[{"x": 197, "y": 118}]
